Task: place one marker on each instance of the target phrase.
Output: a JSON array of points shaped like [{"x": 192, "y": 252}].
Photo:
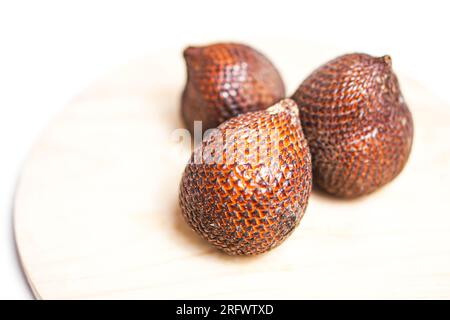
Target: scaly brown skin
[
  {"x": 247, "y": 194},
  {"x": 358, "y": 126},
  {"x": 225, "y": 80}
]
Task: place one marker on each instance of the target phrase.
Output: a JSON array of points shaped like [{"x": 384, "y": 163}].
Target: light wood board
[{"x": 97, "y": 216}]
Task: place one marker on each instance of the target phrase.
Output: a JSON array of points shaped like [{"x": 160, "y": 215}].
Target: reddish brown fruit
[
  {"x": 225, "y": 80},
  {"x": 358, "y": 126},
  {"x": 247, "y": 186}
]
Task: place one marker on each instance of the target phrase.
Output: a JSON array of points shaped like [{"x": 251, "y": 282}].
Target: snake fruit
[
  {"x": 225, "y": 80},
  {"x": 358, "y": 126},
  {"x": 247, "y": 185}
]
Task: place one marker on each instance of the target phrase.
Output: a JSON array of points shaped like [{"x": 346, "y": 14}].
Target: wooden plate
[{"x": 96, "y": 210}]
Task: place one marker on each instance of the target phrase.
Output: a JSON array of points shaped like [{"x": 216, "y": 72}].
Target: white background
[{"x": 51, "y": 50}]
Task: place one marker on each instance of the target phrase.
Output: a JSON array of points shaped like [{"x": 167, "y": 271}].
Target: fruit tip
[
  {"x": 190, "y": 52},
  {"x": 387, "y": 60},
  {"x": 285, "y": 105}
]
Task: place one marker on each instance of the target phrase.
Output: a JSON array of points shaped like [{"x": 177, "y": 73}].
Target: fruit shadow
[
  {"x": 323, "y": 196},
  {"x": 205, "y": 249}
]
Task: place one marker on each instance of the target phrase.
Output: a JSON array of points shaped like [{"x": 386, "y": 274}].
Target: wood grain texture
[{"x": 97, "y": 216}]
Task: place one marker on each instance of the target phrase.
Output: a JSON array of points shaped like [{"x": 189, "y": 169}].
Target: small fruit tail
[
  {"x": 387, "y": 60},
  {"x": 285, "y": 105},
  {"x": 191, "y": 52}
]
